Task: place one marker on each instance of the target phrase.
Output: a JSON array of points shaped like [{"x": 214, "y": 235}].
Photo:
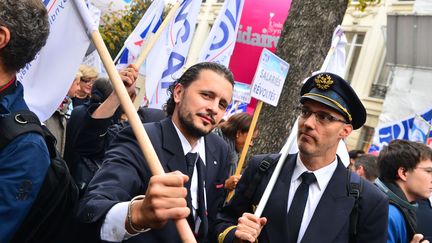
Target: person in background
[
  {"x": 424, "y": 218},
  {"x": 366, "y": 167},
  {"x": 88, "y": 77},
  {"x": 354, "y": 154},
  {"x": 94, "y": 124},
  {"x": 405, "y": 176},
  {"x": 24, "y": 161},
  {"x": 57, "y": 123},
  {"x": 234, "y": 131}
]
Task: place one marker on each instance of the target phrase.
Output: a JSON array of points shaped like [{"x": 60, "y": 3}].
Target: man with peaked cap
[{"x": 310, "y": 201}]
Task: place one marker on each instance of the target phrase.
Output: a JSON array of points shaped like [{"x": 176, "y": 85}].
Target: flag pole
[
  {"x": 247, "y": 143},
  {"x": 290, "y": 142},
  {"x": 145, "y": 51},
  {"x": 143, "y": 140}
]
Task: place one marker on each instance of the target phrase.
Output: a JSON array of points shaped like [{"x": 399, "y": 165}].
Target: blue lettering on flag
[
  {"x": 124, "y": 57},
  {"x": 223, "y": 26},
  {"x": 45, "y": 2},
  {"x": 144, "y": 33},
  {"x": 221, "y": 43},
  {"x": 171, "y": 67},
  {"x": 182, "y": 16}
]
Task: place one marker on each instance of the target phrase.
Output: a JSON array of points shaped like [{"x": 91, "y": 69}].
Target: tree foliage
[
  {"x": 304, "y": 43},
  {"x": 116, "y": 26}
]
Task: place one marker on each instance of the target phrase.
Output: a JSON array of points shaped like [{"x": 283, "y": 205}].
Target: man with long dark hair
[{"x": 185, "y": 146}]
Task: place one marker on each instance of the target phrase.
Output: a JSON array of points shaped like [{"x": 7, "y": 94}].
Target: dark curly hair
[
  {"x": 400, "y": 153},
  {"x": 191, "y": 75},
  {"x": 28, "y": 24}
]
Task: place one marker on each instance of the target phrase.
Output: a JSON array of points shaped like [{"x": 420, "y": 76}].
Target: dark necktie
[
  {"x": 295, "y": 213},
  {"x": 191, "y": 159},
  {"x": 190, "y": 165},
  {"x": 202, "y": 211}
]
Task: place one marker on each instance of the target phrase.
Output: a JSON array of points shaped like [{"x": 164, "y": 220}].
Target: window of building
[
  {"x": 366, "y": 136},
  {"x": 382, "y": 81},
  {"x": 352, "y": 48}
]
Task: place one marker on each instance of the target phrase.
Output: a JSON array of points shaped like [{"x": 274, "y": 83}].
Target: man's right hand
[
  {"x": 418, "y": 238},
  {"x": 164, "y": 200},
  {"x": 249, "y": 227}
]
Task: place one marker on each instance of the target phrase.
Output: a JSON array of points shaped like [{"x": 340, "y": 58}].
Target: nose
[
  {"x": 310, "y": 121},
  {"x": 213, "y": 106}
]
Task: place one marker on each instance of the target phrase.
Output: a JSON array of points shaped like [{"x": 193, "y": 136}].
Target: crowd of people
[{"x": 316, "y": 198}]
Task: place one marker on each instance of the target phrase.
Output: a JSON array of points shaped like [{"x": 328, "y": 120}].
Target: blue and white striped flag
[
  {"x": 150, "y": 22},
  {"x": 168, "y": 56},
  {"x": 54, "y": 68},
  {"x": 219, "y": 45}
]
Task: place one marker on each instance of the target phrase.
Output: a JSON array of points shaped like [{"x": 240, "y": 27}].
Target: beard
[{"x": 186, "y": 121}]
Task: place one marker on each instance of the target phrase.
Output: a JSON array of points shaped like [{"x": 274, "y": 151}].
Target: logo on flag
[
  {"x": 149, "y": 22},
  {"x": 222, "y": 37},
  {"x": 166, "y": 60}
]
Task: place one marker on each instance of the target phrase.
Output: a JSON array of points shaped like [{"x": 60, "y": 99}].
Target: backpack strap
[
  {"x": 263, "y": 167},
  {"x": 354, "y": 187},
  {"x": 17, "y": 123}
]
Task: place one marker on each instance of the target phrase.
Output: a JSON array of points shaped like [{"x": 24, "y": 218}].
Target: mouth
[
  {"x": 207, "y": 118},
  {"x": 306, "y": 136}
]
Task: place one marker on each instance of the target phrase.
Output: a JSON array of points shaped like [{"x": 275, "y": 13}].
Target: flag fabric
[
  {"x": 336, "y": 63},
  {"x": 54, "y": 68},
  {"x": 167, "y": 58},
  {"x": 402, "y": 129},
  {"x": 220, "y": 42},
  {"x": 150, "y": 22},
  {"x": 419, "y": 130}
]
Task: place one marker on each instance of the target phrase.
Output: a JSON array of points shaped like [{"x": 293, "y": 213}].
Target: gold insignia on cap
[{"x": 323, "y": 82}]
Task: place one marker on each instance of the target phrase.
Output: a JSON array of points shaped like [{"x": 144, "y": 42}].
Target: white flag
[
  {"x": 168, "y": 56},
  {"x": 48, "y": 77},
  {"x": 150, "y": 22},
  {"x": 420, "y": 130},
  {"x": 221, "y": 40}
]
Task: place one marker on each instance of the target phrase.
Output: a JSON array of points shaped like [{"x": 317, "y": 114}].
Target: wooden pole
[
  {"x": 145, "y": 51},
  {"x": 137, "y": 127},
  {"x": 152, "y": 38},
  {"x": 247, "y": 143},
  {"x": 144, "y": 142}
]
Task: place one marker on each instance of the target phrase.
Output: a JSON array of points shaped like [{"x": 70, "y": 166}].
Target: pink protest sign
[{"x": 260, "y": 26}]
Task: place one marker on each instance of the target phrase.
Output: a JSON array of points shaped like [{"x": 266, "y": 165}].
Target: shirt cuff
[{"x": 113, "y": 228}]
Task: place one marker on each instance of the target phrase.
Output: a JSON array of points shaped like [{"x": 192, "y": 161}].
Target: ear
[
  {"x": 178, "y": 93},
  {"x": 360, "y": 171},
  {"x": 346, "y": 130},
  {"x": 402, "y": 173},
  {"x": 4, "y": 36}
]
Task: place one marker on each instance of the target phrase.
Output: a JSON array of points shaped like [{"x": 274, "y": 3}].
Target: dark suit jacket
[
  {"x": 125, "y": 174},
  {"x": 330, "y": 221}
]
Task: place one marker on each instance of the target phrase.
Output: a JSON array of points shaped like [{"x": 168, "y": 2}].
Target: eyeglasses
[
  {"x": 426, "y": 169},
  {"x": 88, "y": 80},
  {"x": 320, "y": 116}
]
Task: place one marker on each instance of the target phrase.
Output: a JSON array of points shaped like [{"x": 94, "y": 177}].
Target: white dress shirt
[
  {"x": 316, "y": 190},
  {"x": 113, "y": 228}
]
